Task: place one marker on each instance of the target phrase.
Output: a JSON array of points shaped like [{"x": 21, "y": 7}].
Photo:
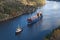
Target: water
[{"x": 37, "y": 31}]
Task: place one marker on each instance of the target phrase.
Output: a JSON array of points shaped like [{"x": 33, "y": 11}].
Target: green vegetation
[
  {"x": 54, "y": 35},
  {"x": 12, "y": 8}
]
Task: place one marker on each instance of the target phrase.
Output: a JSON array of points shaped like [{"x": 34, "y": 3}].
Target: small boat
[
  {"x": 34, "y": 18},
  {"x": 18, "y": 30}
]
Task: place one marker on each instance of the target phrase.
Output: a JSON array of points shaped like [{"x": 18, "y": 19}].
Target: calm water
[{"x": 37, "y": 31}]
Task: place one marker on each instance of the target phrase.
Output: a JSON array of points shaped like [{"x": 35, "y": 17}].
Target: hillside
[
  {"x": 54, "y": 35},
  {"x": 13, "y": 8}
]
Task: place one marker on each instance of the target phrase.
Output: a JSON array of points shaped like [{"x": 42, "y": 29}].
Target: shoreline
[
  {"x": 11, "y": 17},
  {"x": 54, "y": 34}
]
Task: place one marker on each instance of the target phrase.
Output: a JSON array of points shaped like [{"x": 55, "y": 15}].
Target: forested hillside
[{"x": 13, "y": 8}]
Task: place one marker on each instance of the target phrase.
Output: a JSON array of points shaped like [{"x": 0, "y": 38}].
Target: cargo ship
[{"x": 35, "y": 18}]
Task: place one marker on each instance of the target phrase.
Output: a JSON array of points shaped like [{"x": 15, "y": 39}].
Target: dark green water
[{"x": 37, "y": 31}]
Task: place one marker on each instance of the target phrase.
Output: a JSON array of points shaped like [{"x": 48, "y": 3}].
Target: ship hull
[{"x": 35, "y": 20}]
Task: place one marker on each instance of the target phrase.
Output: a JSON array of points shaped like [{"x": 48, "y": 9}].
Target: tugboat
[
  {"x": 18, "y": 30},
  {"x": 35, "y": 18}
]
